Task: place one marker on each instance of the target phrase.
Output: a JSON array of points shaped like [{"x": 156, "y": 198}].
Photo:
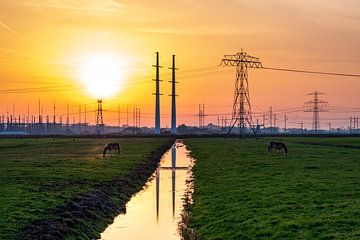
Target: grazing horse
[
  {"x": 281, "y": 147},
  {"x": 111, "y": 146}
]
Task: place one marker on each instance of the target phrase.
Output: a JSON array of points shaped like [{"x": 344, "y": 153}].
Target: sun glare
[{"x": 102, "y": 76}]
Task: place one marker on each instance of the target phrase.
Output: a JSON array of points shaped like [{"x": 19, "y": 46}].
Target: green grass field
[
  {"x": 39, "y": 175},
  {"x": 243, "y": 192}
]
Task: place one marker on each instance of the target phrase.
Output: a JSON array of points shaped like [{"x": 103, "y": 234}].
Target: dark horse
[
  {"x": 281, "y": 147},
  {"x": 111, "y": 146}
]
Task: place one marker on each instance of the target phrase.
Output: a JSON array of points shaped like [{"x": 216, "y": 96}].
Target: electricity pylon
[
  {"x": 316, "y": 106},
  {"x": 99, "y": 117},
  {"x": 241, "y": 106},
  {"x": 157, "y": 94},
  {"x": 173, "y": 97}
]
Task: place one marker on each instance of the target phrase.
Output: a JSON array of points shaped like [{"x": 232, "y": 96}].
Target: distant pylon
[
  {"x": 173, "y": 97},
  {"x": 118, "y": 117},
  {"x": 40, "y": 120},
  {"x": 67, "y": 115},
  {"x": 79, "y": 114},
  {"x": 316, "y": 106},
  {"x": 241, "y": 106},
  {"x": 99, "y": 117},
  {"x": 157, "y": 96},
  {"x": 202, "y": 116},
  {"x": 85, "y": 114},
  {"x": 54, "y": 115}
]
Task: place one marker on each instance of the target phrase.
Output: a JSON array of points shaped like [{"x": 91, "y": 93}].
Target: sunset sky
[{"x": 46, "y": 44}]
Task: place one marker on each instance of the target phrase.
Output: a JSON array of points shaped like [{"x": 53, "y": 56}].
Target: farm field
[
  {"x": 36, "y": 176},
  {"x": 243, "y": 192}
]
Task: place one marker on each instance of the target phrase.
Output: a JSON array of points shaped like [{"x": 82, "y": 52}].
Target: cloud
[
  {"x": 198, "y": 5},
  {"x": 80, "y": 5},
  {"x": 213, "y": 29},
  {"x": 9, "y": 29}
]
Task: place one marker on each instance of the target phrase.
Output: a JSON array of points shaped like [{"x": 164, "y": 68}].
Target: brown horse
[{"x": 111, "y": 146}]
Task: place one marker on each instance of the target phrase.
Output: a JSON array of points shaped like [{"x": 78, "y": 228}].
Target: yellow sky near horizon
[{"x": 44, "y": 42}]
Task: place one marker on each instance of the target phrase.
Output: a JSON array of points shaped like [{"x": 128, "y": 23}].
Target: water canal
[{"x": 155, "y": 212}]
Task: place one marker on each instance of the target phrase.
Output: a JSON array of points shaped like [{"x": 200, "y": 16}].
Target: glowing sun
[{"x": 102, "y": 75}]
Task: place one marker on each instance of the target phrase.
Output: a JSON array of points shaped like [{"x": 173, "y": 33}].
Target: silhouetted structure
[
  {"x": 201, "y": 115},
  {"x": 99, "y": 117},
  {"x": 316, "y": 106},
  {"x": 241, "y": 104},
  {"x": 157, "y": 96},
  {"x": 173, "y": 97}
]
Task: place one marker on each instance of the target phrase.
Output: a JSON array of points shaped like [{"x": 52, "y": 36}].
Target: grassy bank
[
  {"x": 243, "y": 192},
  {"x": 39, "y": 176}
]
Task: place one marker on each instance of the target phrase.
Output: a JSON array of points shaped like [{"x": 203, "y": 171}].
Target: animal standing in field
[
  {"x": 279, "y": 146},
  {"x": 111, "y": 146}
]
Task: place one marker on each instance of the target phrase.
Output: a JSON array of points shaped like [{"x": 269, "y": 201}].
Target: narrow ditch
[
  {"x": 157, "y": 211},
  {"x": 85, "y": 216}
]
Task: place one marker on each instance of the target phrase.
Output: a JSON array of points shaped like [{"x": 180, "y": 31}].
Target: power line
[{"x": 312, "y": 72}]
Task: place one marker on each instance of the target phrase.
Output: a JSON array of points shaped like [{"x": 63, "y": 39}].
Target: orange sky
[{"x": 44, "y": 42}]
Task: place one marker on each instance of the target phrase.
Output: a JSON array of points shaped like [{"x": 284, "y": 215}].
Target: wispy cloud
[
  {"x": 81, "y": 5},
  {"x": 198, "y": 5},
  {"x": 9, "y": 29},
  {"x": 211, "y": 29}
]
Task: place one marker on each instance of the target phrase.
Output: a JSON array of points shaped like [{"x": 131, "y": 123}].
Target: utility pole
[
  {"x": 329, "y": 126},
  {"x": 271, "y": 118},
  {"x": 274, "y": 121},
  {"x": 39, "y": 112},
  {"x": 134, "y": 124},
  {"x": 173, "y": 97},
  {"x": 241, "y": 105},
  {"x": 118, "y": 115},
  {"x": 200, "y": 115},
  {"x": 99, "y": 117},
  {"x": 157, "y": 95},
  {"x": 67, "y": 115},
  {"x": 54, "y": 114},
  {"x": 85, "y": 114},
  {"x": 285, "y": 119},
  {"x": 79, "y": 114},
  {"x": 203, "y": 115},
  {"x": 54, "y": 118},
  {"x": 28, "y": 113},
  {"x": 316, "y": 106},
  {"x": 127, "y": 116},
  {"x": 136, "y": 117}
]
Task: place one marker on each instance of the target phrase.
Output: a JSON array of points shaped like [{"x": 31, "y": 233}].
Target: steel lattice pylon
[
  {"x": 99, "y": 117},
  {"x": 241, "y": 106},
  {"x": 316, "y": 106}
]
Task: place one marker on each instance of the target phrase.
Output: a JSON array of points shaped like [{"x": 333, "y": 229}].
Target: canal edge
[
  {"x": 95, "y": 208},
  {"x": 186, "y": 232}
]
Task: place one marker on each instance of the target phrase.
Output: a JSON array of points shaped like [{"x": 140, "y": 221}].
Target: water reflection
[{"x": 144, "y": 221}]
